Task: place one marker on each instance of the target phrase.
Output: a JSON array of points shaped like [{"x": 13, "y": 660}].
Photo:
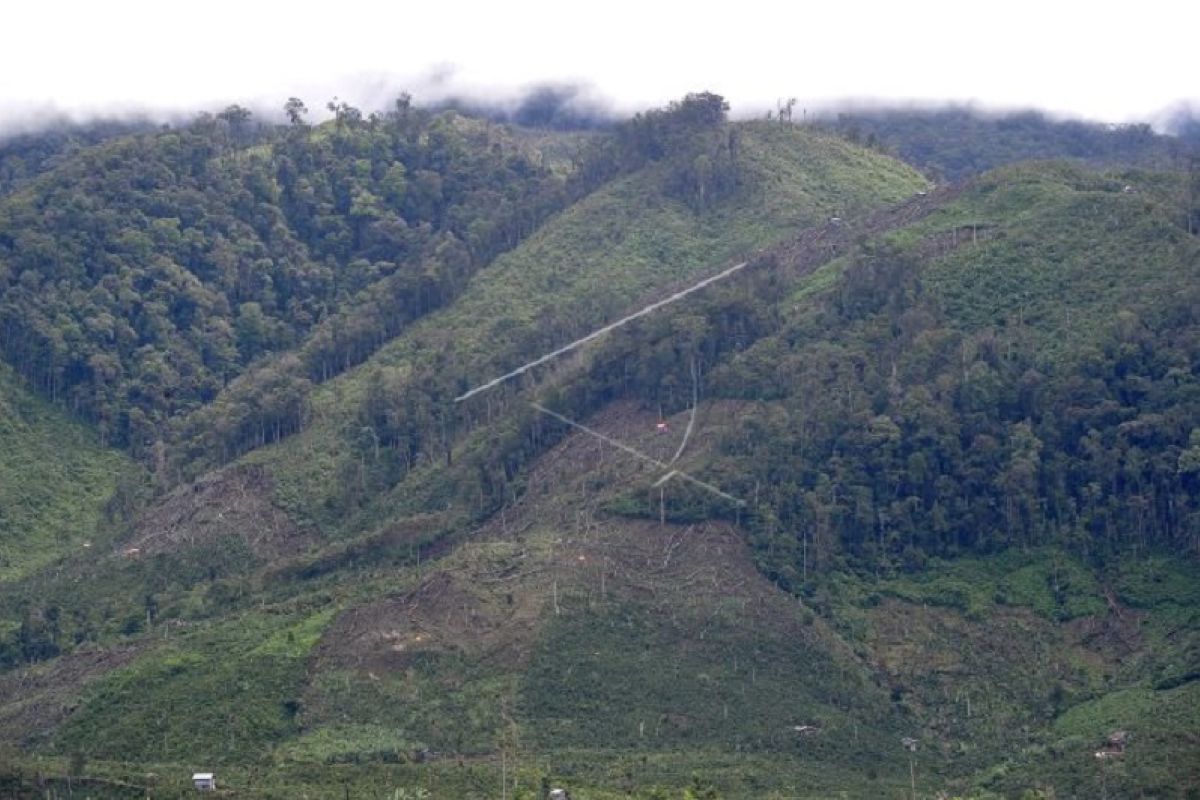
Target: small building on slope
[{"x": 204, "y": 781}]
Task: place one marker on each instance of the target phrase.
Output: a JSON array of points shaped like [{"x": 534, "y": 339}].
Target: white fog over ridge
[{"x": 82, "y": 60}]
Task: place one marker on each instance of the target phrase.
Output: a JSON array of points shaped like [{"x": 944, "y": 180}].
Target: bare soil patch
[{"x": 235, "y": 501}]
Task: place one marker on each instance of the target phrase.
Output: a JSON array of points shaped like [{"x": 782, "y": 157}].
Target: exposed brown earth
[
  {"x": 448, "y": 612},
  {"x": 235, "y": 501},
  {"x": 543, "y": 556}
]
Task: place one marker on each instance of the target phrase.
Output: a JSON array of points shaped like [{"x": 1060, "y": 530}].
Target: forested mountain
[
  {"x": 24, "y": 156},
  {"x": 1017, "y": 379},
  {"x": 145, "y": 274},
  {"x": 926, "y": 469},
  {"x": 954, "y": 143}
]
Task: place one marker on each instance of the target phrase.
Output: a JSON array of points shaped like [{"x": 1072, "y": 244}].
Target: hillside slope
[
  {"x": 56, "y": 481},
  {"x": 625, "y": 242},
  {"x": 961, "y": 430},
  {"x": 140, "y": 276},
  {"x": 957, "y": 143}
]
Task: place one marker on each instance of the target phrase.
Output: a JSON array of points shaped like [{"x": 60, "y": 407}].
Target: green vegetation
[
  {"x": 1056, "y": 586},
  {"x": 55, "y": 481},
  {"x": 642, "y": 681},
  {"x": 225, "y": 693},
  {"x": 585, "y": 267},
  {"x": 979, "y": 393},
  {"x": 962, "y": 425},
  {"x": 173, "y": 260},
  {"x": 1159, "y": 759},
  {"x": 25, "y": 156},
  {"x": 957, "y": 143}
]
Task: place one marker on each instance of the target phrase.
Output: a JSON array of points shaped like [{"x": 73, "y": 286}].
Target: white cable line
[
  {"x": 638, "y": 454},
  {"x": 687, "y": 434},
  {"x": 664, "y": 479},
  {"x": 598, "y": 333}
]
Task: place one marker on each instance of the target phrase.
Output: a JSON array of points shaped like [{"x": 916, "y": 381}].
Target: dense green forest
[
  {"x": 956, "y": 432},
  {"x": 1032, "y": 386},
  {"x": 143, "y": 276},
  {"x": 24, "y": 156},
  {"x": 956, "y": 142}
]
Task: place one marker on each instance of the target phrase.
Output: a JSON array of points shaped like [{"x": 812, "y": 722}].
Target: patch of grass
[
  {"x": 942, "y": 591},
  {"x": 1056, "y": 587},
  {"x": 1146, "y": 713},
  {"x": 350, "y": 744},
  {"x": 628, "y": 677},
  {"x": 55, "y": 479},
  {"x": 1053, "y": 261},
  {"x": 297, "y": 640},
  {"x": 446, "y": 702},
  {"x": 1053, "y": 584},
  {"x": 820, "y": 280},
  {"x": 225, "y": 693},
  {"x": 1158, "y": 581}
]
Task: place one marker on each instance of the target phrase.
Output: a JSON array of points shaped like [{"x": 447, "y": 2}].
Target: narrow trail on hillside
[{"x": 600, "y": 332}]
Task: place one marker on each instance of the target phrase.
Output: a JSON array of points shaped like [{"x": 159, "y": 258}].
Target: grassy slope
[
  {"x": 54, "y": 481},
  {"x": 587, "y": 266},
  {"x": 614, "y": 248},
  {"x": 1066, "y": 253},
  {"x": 617, "y": 654},
  {"x": 1052, "y": 253}
]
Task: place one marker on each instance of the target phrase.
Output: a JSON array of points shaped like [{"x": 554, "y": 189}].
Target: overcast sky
[{"x": 1116, "y": 61}]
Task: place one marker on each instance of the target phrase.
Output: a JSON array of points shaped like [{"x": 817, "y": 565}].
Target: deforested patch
[{"x": 233, "y": 502}]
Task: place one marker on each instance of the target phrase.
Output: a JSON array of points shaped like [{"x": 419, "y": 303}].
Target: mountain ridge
[{"x": 958, "y": 419}]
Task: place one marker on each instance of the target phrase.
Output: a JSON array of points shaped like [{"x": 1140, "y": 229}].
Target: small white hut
[{"x": 204, "y": 781}]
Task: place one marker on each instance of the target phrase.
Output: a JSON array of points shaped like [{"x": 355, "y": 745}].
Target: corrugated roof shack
[{"x": 204, "y": 781}]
